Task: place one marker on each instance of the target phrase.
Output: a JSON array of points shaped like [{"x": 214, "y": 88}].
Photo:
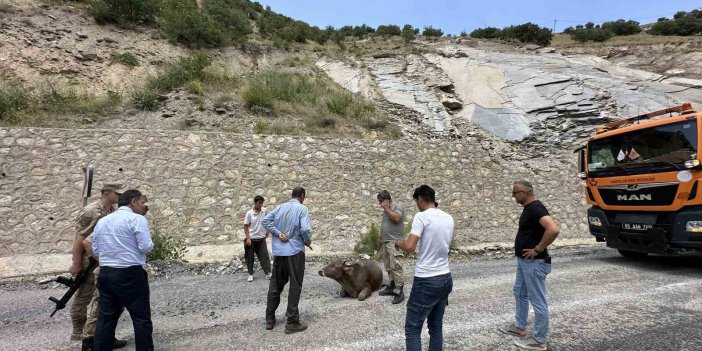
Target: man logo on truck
[{"x": 634, "y": 197}]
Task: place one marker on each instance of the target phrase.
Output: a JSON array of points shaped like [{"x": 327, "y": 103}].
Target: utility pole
[{"x": 554, "y": 26}]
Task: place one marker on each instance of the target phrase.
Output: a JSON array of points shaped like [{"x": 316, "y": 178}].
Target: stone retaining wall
[{"x": 202, "y": 183}]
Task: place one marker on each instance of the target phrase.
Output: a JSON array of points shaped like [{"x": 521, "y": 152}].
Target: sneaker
[
  {"x": 268, "y": 276},
  {"x": 295, "y": 327},
  {"x": 250, "y": 279},
  {"x": 511, "y": 329},
  {"x": 531, "y": 344}
]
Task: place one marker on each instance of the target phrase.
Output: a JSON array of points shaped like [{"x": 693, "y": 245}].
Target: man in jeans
[
  {"x": 121, "y": 241},
  {"x": 289, "y": 225},
  {"x": 392, "y": 229},
  {"x": 537, "y": 230},
  {"x": 432, "y": 230},
  {"x": 255, "y": 242}
]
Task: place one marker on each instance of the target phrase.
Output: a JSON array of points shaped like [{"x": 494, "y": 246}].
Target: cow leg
[
  {"x": 365, "y": 293},
  {"x": 342, "y": 292}
]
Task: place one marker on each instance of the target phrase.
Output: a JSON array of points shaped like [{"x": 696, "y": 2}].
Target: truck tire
[{"x": 634, "y": 255}]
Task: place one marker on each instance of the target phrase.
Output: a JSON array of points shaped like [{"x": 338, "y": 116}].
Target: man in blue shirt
[
  {"x": 289, "y": 225},
  {"x": 121, "y": 241}
]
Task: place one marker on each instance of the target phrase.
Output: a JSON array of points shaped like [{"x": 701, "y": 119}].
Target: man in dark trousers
[
  {"x": 255, "y": 242},
  {"x": 289, "y": 225},
  {"x": 121, "y": 241},
  {"x": 537, "y": 230}
]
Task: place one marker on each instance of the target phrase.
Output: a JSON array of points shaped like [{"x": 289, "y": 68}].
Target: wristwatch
[{"x": 537, "y": 250}]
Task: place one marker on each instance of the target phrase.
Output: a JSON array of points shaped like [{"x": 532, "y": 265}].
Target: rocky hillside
[{"x": 86, "y": 75}]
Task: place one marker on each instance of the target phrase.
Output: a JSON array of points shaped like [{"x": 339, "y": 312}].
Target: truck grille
[{"x": 655, "y": 194}]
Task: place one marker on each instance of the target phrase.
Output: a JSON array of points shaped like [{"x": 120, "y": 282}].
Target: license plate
[{"x": 636, "y": 226}]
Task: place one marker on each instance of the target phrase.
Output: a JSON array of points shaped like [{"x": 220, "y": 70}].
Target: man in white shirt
[
  {"x": 255, "y": 242},
  {"x": 432, "y": 230},
  {"x": 121, "y": 241}
]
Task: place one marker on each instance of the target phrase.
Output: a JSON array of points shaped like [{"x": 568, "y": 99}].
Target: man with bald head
[
  {"x": 537, "y": 230},
  {"x": 289, "y": 225}
]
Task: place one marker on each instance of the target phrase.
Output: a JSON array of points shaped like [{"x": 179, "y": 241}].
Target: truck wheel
[{"x": 634, "y": 255}]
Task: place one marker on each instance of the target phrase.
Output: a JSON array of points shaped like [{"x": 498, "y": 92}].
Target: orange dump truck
[{"x": 642, "y": 179}]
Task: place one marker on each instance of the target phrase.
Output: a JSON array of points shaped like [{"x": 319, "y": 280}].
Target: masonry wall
[{"x": 201, "y": 184}]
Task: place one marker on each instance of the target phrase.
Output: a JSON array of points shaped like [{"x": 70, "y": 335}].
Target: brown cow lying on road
[{"x": 358, "y": 279}]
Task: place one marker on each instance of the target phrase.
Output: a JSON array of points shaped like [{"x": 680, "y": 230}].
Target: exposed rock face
[{"x": 532, "y": 94}]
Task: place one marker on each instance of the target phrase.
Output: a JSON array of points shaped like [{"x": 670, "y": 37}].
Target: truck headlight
[
  {"x": 595, "y": 222},
  {"x": 692, "y": 163},
  {"x": 694, "y": 227}
]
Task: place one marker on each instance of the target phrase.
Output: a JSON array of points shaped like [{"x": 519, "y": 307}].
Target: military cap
[{"x": 116, "y": 187}]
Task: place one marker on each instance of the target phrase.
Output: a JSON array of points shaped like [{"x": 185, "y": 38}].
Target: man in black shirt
[{"x": 537, "y": 230}]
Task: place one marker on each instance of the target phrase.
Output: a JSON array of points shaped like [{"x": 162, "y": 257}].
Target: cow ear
[{"x": 348, "y": 270}]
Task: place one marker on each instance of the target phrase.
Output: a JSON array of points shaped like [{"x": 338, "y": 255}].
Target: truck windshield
[{"x": 656, "y": 149}]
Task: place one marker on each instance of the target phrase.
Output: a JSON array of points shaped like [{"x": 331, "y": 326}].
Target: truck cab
[{"x": 642, "y": 182}]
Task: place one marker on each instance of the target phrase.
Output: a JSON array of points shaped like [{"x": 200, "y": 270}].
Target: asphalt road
[{"x": 598, "y": 301}]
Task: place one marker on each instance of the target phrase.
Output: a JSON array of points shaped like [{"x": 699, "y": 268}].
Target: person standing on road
[
  {"x": 431, "y": 234},
  {"x": 255, "y": 242},
  {"x": 290, "y": 225},
  {"x": 537, "y": 230},
  {"x": 121, "y": 242},
  {"x": 83, "y": 323},
  {"x": 391, "y": 230},
  {"x": 89, "y": 330}
]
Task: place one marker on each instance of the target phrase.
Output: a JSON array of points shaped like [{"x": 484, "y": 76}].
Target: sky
[{"x": 454, "y": 16}]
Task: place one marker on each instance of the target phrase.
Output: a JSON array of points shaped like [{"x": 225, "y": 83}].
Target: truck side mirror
[{"x": 581, "y": 164}]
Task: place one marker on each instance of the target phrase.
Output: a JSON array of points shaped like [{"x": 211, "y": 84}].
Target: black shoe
[
  {"x": 388, "y": 289},
  {"x": 118, "y": 344},
  {"x": 270, "y": 323},
  {"x": 399, "y": 296},
  {"x": 295, "y": 327},
  {"x": 87, "y": 344}
]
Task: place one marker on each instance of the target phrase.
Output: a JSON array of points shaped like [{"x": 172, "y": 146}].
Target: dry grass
[{"x": 563, "y": 41}]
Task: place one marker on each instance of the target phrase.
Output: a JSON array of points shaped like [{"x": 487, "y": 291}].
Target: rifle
[{"x": 72, "y": 284}]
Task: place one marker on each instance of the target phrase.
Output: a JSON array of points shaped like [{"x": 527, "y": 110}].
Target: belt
[{"x": 105, "y": 269}]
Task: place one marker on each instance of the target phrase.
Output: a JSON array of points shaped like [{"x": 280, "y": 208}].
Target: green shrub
[
  {"x": 408, "y": 33},
  {"x": 339, "y": 103},
  {"x": 528, "y": 33},
  {"x": 260, "y": 127},
  {"x": 486, "y": 33},
  {"x": 14, "y": 97},
  {"x": 390, "y": 30},
  {"x": 432, "y": 32},
  {"x": 145, "y": 99},
  {"x": 231, "y": 17},
  {"x": 126, "y": 58},
  {"x": 369, "y": 243},
  {"x": 622, "y": 27},
  {"x": 683, "y": 23},
  {"x": 258, "y": 94},
  {"x": 166, "y": 247},
  {"x": 125, "y": 13},
  {"x": 171, "y": 77},
  {"x": 184, "y": 23},
  {"x": 589, "y": 32}
]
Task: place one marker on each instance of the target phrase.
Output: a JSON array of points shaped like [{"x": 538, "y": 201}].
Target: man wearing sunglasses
[{"x": 537, "y": 230}]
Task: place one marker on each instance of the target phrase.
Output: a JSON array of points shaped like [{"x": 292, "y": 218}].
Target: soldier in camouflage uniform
[{"x": 84, "y": 224}]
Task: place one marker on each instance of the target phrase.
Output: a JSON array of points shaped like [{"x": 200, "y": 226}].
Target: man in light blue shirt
[
  {"x": 289, "y": 225},
  {"x": 121, "y": 241}
]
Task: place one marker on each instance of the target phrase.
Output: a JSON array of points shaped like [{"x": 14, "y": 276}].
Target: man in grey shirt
[{"x": 391, "y": 230}]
